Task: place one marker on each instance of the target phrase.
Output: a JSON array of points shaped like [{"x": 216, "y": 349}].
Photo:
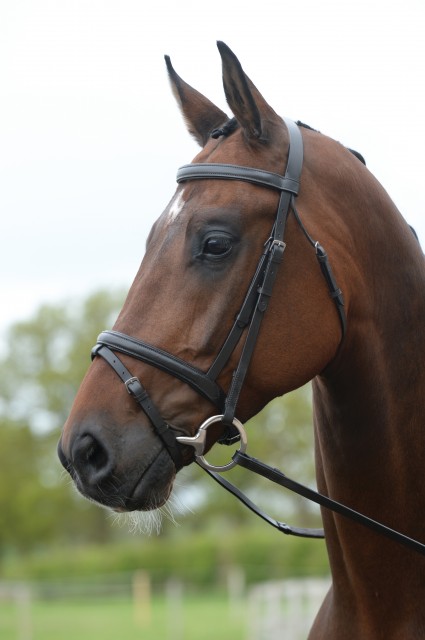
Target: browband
[
  {"x": 289, "y": 182},
  {"x": 236, "y": 172}
]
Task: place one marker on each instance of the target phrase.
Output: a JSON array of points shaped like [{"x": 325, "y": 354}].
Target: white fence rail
[
  {"x": 21, "y": 596},
  {"x": 280, "y": 610},
  {"x": 284, "y": 609}
]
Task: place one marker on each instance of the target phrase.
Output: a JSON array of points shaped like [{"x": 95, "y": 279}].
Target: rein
[
  {"x": 247, "y": 321},
  {"x": 274, "y": 475}
]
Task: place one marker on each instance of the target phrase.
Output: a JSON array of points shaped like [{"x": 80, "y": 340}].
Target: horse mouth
[
  {"x": 127, "y": 486},
  {"x": 153, "y": 488}
]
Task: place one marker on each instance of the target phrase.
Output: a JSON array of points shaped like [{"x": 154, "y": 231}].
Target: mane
[
  {"x": 226, "y": 130},
  {"x": 231, "y": 125},
  {"x": 355, "y": 153},
  {"x": 306, "y": 126}
]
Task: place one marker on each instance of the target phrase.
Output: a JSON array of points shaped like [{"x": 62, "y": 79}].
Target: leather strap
[
  {"x": 274, "y": 255},
  {"x": 137, "y": 390},
  {"x": 277, "y": 524},
  {"x": 241, "y": 322},
  {"x": 334, "y": 291},
  {"x": 256, "y": 301},
  {"x": 323, "y": 260},
  {"x": 264, "y": 293},
  {"x": 165, "y": 361},
  {"x": 236, "y": 172},
  {"x": 276, "y": 476}
]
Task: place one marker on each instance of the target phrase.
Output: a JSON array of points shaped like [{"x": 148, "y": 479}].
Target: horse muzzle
[{"x": 124, "y": 474}]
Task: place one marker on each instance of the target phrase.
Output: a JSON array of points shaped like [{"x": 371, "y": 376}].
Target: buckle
[{"x": 129, "y": 382}]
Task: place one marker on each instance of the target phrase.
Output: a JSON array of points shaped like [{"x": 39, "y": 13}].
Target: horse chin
[{"x": 154, "y": 486}]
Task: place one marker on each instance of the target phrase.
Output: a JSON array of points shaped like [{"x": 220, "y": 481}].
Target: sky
[{"x": 91, "y": 137}]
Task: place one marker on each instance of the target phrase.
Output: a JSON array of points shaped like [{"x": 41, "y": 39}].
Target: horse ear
[
  {"x": 201, "y": 115},
  {"x": 244, "y": 99}
]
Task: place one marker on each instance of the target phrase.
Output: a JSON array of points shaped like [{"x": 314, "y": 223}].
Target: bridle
[{"x": 248, "y": 322}]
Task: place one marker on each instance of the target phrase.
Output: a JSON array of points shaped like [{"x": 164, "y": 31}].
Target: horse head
[{"x": 200, "y": 264}]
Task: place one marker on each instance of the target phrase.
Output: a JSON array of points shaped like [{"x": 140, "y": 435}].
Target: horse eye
[{"x": 217, "y": 245}]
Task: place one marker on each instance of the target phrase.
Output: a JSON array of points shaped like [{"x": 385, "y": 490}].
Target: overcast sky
[{"x": 90, "y": 135}]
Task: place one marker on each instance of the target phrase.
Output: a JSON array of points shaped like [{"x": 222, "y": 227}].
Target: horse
[{"x": 236, "y": 303}]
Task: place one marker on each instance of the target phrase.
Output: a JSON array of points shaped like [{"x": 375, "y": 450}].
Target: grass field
[{"x": 204, "y": 615}]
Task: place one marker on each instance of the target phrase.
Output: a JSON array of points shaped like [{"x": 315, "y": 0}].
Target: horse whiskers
[
  {"x": 149, "y": 522},
  {"x": 144, "y": 522},
  {"x": 64, "y": 475}
]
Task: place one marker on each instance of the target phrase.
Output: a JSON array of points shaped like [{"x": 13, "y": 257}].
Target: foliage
[
  {"x": 45, "y": 360},
  {"x": 47, "y": 357},
  {"x": 199, "y": 560}
]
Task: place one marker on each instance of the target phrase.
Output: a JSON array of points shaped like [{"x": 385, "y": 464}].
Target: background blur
[{"x": 90, "y": 140}]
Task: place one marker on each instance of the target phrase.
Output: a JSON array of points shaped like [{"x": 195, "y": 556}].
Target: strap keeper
[
  {"x": 338, "y": 296},
  {"x": 277, "y": 249},
  {"x": 230, "y": 436},
  {"x": 284, "y": 528},
  {"x": 242, "y": 320},
  {"x": 95, "y": 350},
  {"x": 321, "y": 254}
]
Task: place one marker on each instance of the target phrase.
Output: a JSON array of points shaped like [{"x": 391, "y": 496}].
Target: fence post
[
  {"x": 142, "y": 600},
  {"x": 174, "y": 591},
  {"x": 235, "y": 589},
  {"x": 23, "y": 600}
]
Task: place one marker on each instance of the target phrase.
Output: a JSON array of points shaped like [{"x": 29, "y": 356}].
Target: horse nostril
[
  {"x": 95, "y": 455},
  {"x": 90, "y": 458}
]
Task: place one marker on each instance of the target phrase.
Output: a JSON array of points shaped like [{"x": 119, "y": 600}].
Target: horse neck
[{"x": 370, "y": 407}]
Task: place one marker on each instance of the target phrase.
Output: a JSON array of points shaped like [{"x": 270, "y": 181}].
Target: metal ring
[{"x": 243, "y": 444}]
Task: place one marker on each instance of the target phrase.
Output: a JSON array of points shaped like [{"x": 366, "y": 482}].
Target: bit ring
[{"x": 198, "y": 442}]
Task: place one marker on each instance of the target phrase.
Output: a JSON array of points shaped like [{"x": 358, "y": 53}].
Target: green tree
[
  {"x": 45, "y": 360},
  {"x": 47, "y": 356}
]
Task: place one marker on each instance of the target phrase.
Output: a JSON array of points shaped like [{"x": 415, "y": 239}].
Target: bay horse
[{"x": 236, "y": 303}]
